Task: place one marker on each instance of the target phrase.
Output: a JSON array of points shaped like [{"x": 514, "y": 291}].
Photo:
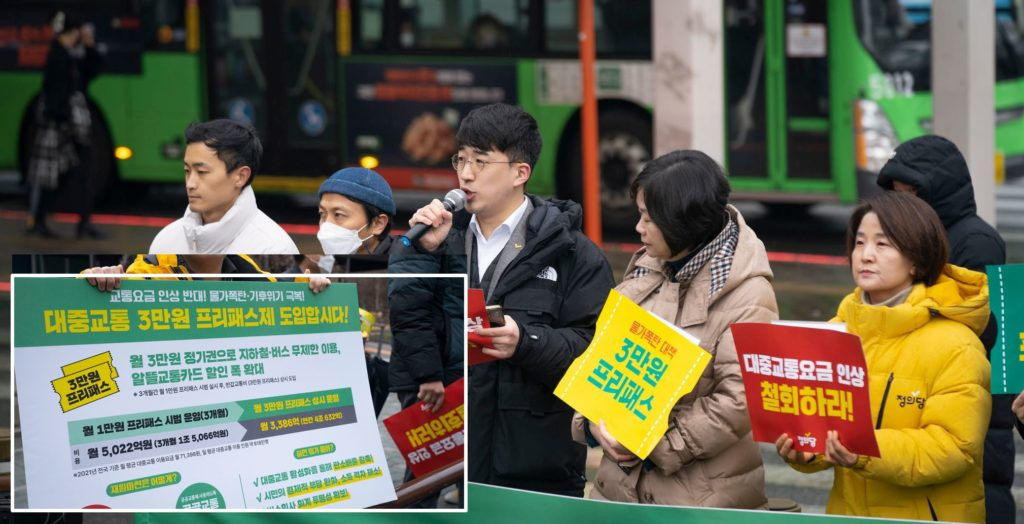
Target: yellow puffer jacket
[
  {"x": 929, "y": 382},
  {"x": 177, "y": 265}
]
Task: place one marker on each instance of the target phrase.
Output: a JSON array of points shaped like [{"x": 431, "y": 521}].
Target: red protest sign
[
  {"x": 430, "y": 441},
  {"x": 477, "y": 318},
  {"x": 804, "y": 382}
]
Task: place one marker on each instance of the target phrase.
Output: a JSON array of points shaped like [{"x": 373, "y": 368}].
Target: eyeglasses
[{"x": 476, "y": 165}]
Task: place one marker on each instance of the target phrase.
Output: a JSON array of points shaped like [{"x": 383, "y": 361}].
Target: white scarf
[{"x": 217, "y": 236}]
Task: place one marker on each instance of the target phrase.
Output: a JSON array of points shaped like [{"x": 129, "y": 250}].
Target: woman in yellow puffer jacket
[{"x": 918, "y": 319}]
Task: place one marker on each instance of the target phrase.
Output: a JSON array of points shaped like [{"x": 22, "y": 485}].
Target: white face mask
[
  {"x": 326, "y": 263},
  {"x": 337, "y": 240}
]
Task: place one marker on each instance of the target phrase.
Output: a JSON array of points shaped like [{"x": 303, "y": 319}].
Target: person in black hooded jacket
[
  {"x": 427, "y": 351},
  {"x": 933, "y": 168},
  {"x": 529, "y": 256}
]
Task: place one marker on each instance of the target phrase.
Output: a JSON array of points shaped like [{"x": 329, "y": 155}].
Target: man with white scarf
[{"x": 221, "y": 160}]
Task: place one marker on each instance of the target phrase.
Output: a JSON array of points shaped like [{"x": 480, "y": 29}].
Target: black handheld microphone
[{"x": 453, "y": 201}]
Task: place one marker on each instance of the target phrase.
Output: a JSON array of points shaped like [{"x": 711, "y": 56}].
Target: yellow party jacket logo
[
  {"x": 86, "y": 381},
  {"x": 634, "y": 371}
]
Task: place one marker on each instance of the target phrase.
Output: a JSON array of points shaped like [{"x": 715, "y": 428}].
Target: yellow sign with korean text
[
  {"x": 86, "y": 381},
  {"x": 634, "y": 371},
  {"x": 92, "y": 361}
]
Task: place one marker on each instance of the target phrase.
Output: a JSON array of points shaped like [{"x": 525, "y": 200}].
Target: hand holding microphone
[{"x": 430, "y": 224}]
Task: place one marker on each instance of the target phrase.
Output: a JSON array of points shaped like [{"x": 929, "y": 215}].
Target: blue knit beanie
[{"x": 364, "y": 185}]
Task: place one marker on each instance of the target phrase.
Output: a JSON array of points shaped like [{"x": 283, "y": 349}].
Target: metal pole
[
  {"x": 588, "y": 119},
  {"x": 963, "y": 84}
]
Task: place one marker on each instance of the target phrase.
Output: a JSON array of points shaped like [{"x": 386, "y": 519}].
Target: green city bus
[{"x": 818, "y": 93}]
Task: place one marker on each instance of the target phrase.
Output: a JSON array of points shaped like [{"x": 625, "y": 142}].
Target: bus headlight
[
  {"x": 369, "y": 162},
  {"x": 875, "y": 137},
  {"x": 122, "y": 152}
]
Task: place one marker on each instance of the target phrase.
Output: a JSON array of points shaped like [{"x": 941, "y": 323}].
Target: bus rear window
[
  {"x": 370, "y": 26},
  {"x": 897, "y": 33},
  {"x": 481, "y": 25},
  {"x": 622, "y": 29}
]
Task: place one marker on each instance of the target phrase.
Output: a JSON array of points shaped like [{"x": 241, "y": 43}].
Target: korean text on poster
[
  {"x": 431, "y": 440},
  {"x": 634, "y": 371},
  {"x": 194, "y": 395},
  {"x": 804, "y": 382}
]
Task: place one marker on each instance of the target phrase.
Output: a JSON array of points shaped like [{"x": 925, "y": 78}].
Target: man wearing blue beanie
[{"x": 356, "y": 211}]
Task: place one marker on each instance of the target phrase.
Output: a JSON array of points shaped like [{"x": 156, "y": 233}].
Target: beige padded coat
[{"x": 707, "y": 457}]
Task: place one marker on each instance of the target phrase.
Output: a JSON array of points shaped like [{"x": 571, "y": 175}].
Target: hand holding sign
[
  {"x": 503, "y": 339},
  {"x": 476, "y": 320},
  {"x": 836, "y": 453},
  {"x": 634, "y": 371},
  {"x": 807, "y": 383},
  {"x": 784, "y": 447},
  {"x": 1018, "y": 406},
  {"x": 430, "y": 440},
  {"x": 611, "y": 447},
  {"x": 431, "y": 394},
  {"x": 104, "y": 283}
]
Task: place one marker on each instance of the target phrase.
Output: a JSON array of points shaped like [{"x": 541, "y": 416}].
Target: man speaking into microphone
[
  {"x": 454, "y": 200},
  {"x": 528, "y": 255}
]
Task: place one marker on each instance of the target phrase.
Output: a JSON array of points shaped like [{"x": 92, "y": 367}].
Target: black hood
[
  {"x": 936, "y": 168},
  {"x": 553, "y": 212}
]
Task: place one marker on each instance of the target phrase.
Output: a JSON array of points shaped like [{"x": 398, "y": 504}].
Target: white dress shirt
[{"x": 488, "y": 249}]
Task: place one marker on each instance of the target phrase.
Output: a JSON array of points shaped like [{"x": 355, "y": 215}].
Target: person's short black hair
[
  {"x": 685, "y": 193},
  {"x": 372, "y": 213},
  {"x": 502, "y": 127},
  {"x": 912, "y": 226},
  {"x": 235, "y": 143}
]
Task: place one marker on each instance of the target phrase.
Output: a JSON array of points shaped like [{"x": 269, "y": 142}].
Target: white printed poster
[{"x": 194, "y": 395}]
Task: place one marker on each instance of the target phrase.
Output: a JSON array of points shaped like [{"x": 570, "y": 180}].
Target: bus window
[
  {"x": 807, "y": 96},
  {"x": 900, "y": 40},
  {"x": 371, "y": 24},
  {"x": 163, "y": 24},
  {"x": 560, "y": 32},
  {"x": 745, "y": 89},
  {"x": 479, "y": 25},
  {"x": 1009, "y": 50},
  {"x": 622, "y": 29},
  {"x": 236, "y": 74},
  {"x": 898, "y": 34},
  {"x": 309, "y": 71}
]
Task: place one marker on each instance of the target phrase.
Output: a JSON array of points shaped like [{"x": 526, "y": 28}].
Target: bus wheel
[{"x": 624, "y": 147}]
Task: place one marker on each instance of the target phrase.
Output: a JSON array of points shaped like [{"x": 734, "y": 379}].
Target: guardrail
[{"x": 417, "y": 488}]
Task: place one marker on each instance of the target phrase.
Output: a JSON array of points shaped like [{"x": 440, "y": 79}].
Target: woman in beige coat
[{"x": 703, "y": 269}]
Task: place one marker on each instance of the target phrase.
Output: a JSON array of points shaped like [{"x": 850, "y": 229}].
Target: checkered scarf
[
  {"x": 719, "y": 252},
  {"x": 53, "y": 151}
]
